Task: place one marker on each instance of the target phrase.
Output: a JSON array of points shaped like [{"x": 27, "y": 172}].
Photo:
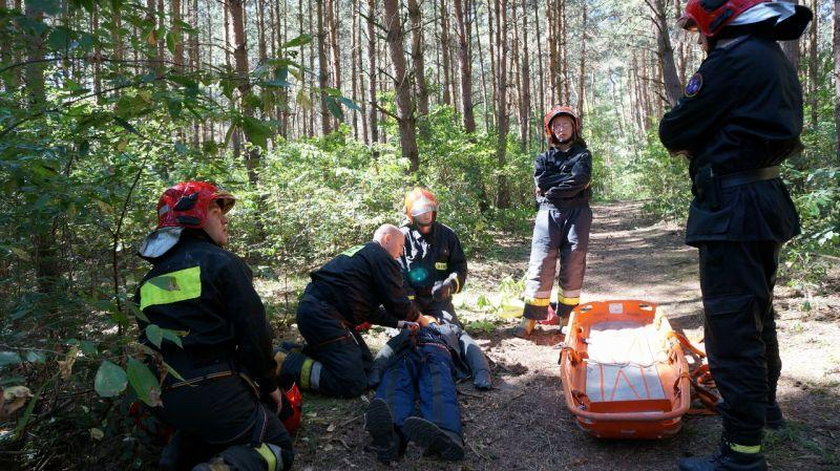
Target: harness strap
[{"x": 195, "y": 381}]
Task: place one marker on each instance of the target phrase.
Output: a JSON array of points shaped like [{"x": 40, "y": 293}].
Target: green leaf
[
  {"x": 332, "y": 105},
  {"x": 144, "y": 383},
  {"x": 154, "y": 334},
  {"x": 349, "y": 103},
  {"x": 58, "y": 39},
  {"x": 170, "y": 41},
  {"x": 88, "y": 347},
  {"x": 35, "y": 357},
  {"x": 256, "y": 131},
  {"x": 9, "y": 358},
  {"x": 301, "y": 40},
  {"x": 110, "y": 380},
  {"x": 174, "y": 336}
]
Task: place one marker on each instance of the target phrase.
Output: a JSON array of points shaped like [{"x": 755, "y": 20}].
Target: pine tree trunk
[
  {"x": 371, "y": 49},
  {"x": 581, "y": 91},
  {"x": 836, "y": 47},
  {"x": 175, "y": 30},
  {"x": 465, "y": 62},
  {"x": 553, "y": 67},
  {"x": 354, "y": 51},
  {"x": 665, "y": 52},
  {"x": 791, "y": 48},
  {"x": 446, "y": 54},
  {"x": 525, "y": 86},
  {"x": 542, "y": 78},
  {"x": 323, "y": 68},
  {"x": 813, "y": 68},
  {"x": 503, "y": 194},
  {"x": 419, "y": 65},
  {"x": 564, "y": 53},
  {"x": 240, "y": 57},
  {"x": 405, "y": 114}
]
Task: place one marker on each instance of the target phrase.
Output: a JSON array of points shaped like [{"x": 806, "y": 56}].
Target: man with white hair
[{"x": 362, "y": 284}]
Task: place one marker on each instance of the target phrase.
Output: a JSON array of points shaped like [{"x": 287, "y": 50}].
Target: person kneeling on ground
[
  {"x": 363, "y": 284},
  {"x": 226, "y": 400},
  {"x": 421, "y": 367}
]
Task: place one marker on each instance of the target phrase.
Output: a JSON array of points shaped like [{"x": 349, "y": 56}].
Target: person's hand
[
  {"x": 277, "y": 397},
  {"x": 425, "y": 320},
  {"x": 412, "y": 326},
  {"x": 442, "y": 290}
]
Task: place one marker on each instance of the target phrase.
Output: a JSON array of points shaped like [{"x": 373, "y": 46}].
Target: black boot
[
  {"x": 434, "y": 440},
  {"x": 725, "y": 459},
  {"x": 379, "y": 423},
  {"x": 773, "y": 418}
]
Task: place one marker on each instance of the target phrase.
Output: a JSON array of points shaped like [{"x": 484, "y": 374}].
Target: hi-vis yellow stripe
[
  {"x": 750, "y": 449},
  {"x": 538, "y": 301},
  {"x": 267, "y": 456},
  {"x": 171, "y": 287},
  {"x": 352, "y": 250}
]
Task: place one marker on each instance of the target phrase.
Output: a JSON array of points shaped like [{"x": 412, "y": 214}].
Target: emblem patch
[{"x": 694, "y": 85}]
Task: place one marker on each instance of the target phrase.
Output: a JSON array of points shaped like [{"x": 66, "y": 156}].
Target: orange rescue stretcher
[{"x": 624, "y": 371}]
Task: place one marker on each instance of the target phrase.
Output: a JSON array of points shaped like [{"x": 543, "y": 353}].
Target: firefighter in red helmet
[
  {"x": 739, "y": 118},
  {"x": 562, "y": 178},
  {"x": 225, "y": 403}
]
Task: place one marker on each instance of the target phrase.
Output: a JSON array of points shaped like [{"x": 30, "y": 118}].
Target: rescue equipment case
[{"x": 624, "y": 372}]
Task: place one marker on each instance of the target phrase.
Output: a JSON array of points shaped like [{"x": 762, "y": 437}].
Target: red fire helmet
[
  {"x": 419, "y": 201},
  {"x": 186, "y": 204},
  {"x": 711, "y": 16}
]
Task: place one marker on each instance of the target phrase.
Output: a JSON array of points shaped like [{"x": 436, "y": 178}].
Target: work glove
[
  {"x": 442, "y": 290},
  {"x": 412, "y": 326}
]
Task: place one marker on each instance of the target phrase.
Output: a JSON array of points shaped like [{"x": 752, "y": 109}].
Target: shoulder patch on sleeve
[{"x": 694, "y": 85}]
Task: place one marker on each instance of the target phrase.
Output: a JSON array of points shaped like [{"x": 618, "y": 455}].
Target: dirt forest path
[{"x": 523, "y": 423}]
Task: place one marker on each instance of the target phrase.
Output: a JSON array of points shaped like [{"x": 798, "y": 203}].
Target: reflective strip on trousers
[{"x": 268, "y": 455}]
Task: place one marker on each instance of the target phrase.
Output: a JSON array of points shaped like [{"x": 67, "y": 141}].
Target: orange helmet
[
  {"x": 555, "y": 112},
  {"x": 419, "y": 201}
]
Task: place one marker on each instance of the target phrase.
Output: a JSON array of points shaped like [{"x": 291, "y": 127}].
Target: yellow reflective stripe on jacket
[
  {"x": 537, "y": 301},
  {"x": 172, "y": 287},
  {"x": 750, "y": 449},
  {"x": 268, "y": 456},
  {"x": 352, "y": 250},
  {"x": 457, "y": 285}
]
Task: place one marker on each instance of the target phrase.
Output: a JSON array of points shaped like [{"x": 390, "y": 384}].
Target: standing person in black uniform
[
  {"x": 433, "y": 261},
  {"x": 226, "y": 363},
  {"x": 362, "y": 284},
  {"x": 740, "y": 117},
  {"x": 562, "y": 177}
]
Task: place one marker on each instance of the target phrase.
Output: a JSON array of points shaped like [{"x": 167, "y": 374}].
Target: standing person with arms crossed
[
  {"x": 739, "y": 118},
  {"x": 562, "y": 177}
]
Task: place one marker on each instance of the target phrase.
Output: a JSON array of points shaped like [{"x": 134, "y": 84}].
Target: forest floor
[{"x": 522, "y": 423}]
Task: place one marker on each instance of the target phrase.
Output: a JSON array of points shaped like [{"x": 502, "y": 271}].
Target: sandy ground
[{"x": 523, "y": 422}]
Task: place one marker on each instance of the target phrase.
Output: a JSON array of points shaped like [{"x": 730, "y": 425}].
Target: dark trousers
[
  {"x": 344, "y": 357},
  {"x": 563, "y": 234},
  {"x": 737, "y": 280},
  {"x": 215, "y": 416},
  {"x": 422, "y": 376}
]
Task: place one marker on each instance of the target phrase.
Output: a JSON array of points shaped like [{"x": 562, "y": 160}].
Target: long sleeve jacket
[
  {"x": 199, "y": 288},
  {"x": 741, "y": 111},
  {"x": 432, "y": 257},
  {"x": 361, "y": 280},
  {"x": 563, "y": 178}
]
